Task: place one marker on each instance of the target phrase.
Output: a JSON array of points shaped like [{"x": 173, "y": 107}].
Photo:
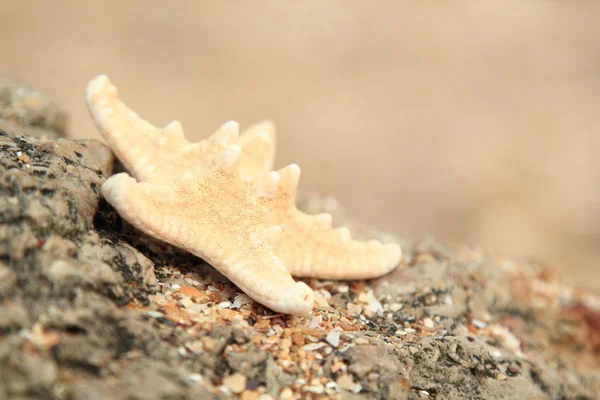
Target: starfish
[{"x": 220, "y": 200}]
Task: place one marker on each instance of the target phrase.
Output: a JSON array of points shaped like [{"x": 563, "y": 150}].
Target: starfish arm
[
  {"x": 334, "y": 255},
  {"x": 243, "y": 254},
  {"x": 265, "y": 279},
  {"x": 311, "y": 248},
  {"x": 141, "y": 204},
  {"x": 133, "y": 139},
  {"x": 151, "y": 154}
]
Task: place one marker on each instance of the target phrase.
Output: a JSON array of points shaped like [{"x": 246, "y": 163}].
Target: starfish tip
[
  {"x": 298, "y": 300},
  {"x": 97, "y": 85}
]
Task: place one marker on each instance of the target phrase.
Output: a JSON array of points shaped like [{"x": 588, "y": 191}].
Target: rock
[
  {"x": 333, "y": 338},
  {"x": 65, "y": 278},
  {"x": 90, "y": 308},
  {"x": 25, "y": 111},
  {"x": 236, "y": 383}
]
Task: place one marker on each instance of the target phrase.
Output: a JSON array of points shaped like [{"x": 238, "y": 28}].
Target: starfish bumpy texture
[{"x": 220, "y": 200}]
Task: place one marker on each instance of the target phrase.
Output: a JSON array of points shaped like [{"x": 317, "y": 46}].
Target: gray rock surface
[
  {"x": 92, "y": 309},
  {"x": 25, "y": 110}
]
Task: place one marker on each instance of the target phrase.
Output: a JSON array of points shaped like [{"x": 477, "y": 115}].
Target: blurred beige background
[{"x": 474, "y": 121}]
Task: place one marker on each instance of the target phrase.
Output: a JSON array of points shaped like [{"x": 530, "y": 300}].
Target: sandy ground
[{"x": 471, "y": 121}]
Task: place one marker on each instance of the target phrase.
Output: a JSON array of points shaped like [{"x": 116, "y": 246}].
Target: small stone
[
  {"x": 363, "y": 297},
  {"x": 373, "y": 376},
  {"x": 376, "y": 306},
  {"x": 208, "y": 343},
  {"x": 313, "y": 346},
  {"x": 240, "y": 300},
  {"x": 354, "y": 308},
  {"x": 343, "y": 288},
  {"x": 333, "y": 338},
  {"x": 428, "y": 322},
  {"x": 318, "y": 389},
  {"x": 315, "y": 322},
  {"x": 251, "y": 395},
  {"x": 176, "y": 314},
  {"x": 513, "y": 369},
  {"x": 479, "y": 324},
  {"x": 155, "y": 314},
  {"x": 298, "y": 339},
  {"x": 23, "y": 157},
  {"x": 501, "y": 377},
  {"x": 285, "y": 344},
  {"x": 236, "y": 383},
  {"x": 320, "y": 300},
  {"x": 286, "y": 394},
  {"x": 187, "y": 303},
  {"x": 194, "y": 294},
  {"x": 345, "y": 382},
  {"x": 361, "y": 341}
]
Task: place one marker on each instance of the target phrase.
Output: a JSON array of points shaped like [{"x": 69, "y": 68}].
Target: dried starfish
[{"x": 217, "y": 199}]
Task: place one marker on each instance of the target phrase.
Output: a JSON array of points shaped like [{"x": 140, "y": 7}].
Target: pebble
[
  {"x": 501, "y": 377},
  {"x": 286, "y": 394},
  {"x": 236, "y": 383},
  {"x": 333, "y": 338},
  {"x": 155, "y": 314},
  {"x": 343, "y": 288},
  {"x": 363, "y": 297},
  {"x": 251, "y": 395},
  {"x": 320, "y": 300},
  {"x": 187, "y": 303},
  {"x": 314, "y": 389},
  {"x": 428, "y": 322},
  {"x": 345, "y": 382},
  {"x": 208, "y": 343},
  {"x": 298, "y": 339},
  {"x": 513, "y": 369},
  {"x": 313, "y": 346},
  {"x": 354, "y": 308},
  {"x": 373, "y": 376},
  {"x": 479, "y": 323},
  {"x": 376, "y": 306},
  {"x": 193, "y": 293},
  {"x": 240, "y": 300}
]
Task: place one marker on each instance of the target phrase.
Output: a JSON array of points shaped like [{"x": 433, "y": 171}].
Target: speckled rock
[
  {"x": 25, "y": 111},
  {"x": 64, "y": 281},
  {"x": 90, "y": 308}
]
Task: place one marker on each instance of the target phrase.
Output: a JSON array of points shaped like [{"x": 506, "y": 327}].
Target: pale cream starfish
[{"x": 219, "y": 199}]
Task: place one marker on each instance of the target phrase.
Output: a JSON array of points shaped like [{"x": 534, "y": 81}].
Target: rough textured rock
[
  {"x": 26, "y": 111},
  {"x": 63, "y": 283},
  {"x": 92, "y": 309}
]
